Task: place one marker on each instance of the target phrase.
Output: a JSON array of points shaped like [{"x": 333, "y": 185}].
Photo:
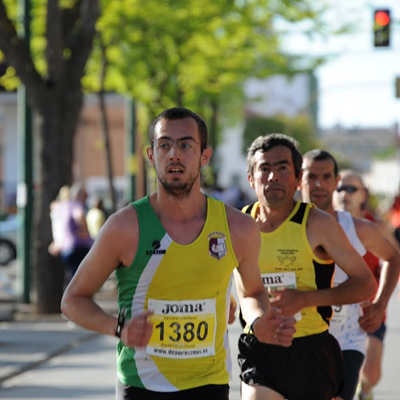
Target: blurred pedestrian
[
  {"x": 96, "y": 216},
  {"x": 57, "y": 226},
  {"x": 71, "y": 238}
]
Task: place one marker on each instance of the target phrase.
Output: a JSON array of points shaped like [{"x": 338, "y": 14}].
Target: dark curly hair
[{"x": 268, "y": 142}]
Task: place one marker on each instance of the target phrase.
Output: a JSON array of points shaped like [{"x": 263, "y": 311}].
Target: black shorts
[
  {"x": 353, "y": 361},
  {"x": 207, "y": 392},
  {"x": 380, "y": 332},
  {"x": 311, "y": 368}
]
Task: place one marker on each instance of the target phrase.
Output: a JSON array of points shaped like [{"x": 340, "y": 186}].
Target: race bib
[
  {"x": 339, "y": 317},
  {"x": 280, "y": 281},
  {"x": 338, "y": 320},
  {"x": 182, "y": 329}
]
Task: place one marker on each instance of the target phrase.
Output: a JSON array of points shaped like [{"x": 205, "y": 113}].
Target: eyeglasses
[
  {"x": 348, "y": 189},
  {"x": 184, "y": 144}
]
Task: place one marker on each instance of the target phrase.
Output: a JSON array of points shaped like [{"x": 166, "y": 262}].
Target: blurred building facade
[
  {"x": 275, "y": 95},
  {"x": 89, "y": 165},
  {"x": 360, "y": 146},
  {"x": 383, "y": 178},
  {"x": 265, "y": 97},
  {"x": 374, "y": 152}
]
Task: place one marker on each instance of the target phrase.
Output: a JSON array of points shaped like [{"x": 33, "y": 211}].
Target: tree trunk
[
  {"x": 58, "y": 122},
  {"x": 56, "y": 97},
  {"x": 105, "y": 125},
  {"x": 107, "y": 145}
]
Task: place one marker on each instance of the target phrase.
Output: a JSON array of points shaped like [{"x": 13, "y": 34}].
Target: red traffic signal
[
  {"x": 381, "y": 28},
  {"x": 382, "y": 18}
]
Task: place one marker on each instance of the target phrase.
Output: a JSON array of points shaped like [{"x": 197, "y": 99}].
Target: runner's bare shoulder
[
  {"x": 242, "y": 227},
  {"x": 121, "y": 232}
]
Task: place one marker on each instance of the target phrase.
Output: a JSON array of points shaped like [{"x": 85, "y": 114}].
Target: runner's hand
[
  {"x": 137, "y": 331},
  {"x": 274, "y": 328},
  {"x": 372, "y": 318},
  {"x": 289, "y": 301}
]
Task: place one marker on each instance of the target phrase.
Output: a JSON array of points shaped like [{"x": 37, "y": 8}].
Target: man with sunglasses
[
  {"x": 173, "y": 253},
  {"x": 349, "y": 325},
  {"x": 352, "y": 196}
]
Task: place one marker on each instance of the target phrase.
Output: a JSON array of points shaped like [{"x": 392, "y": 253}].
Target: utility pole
[{"x": 25, "y": 173}]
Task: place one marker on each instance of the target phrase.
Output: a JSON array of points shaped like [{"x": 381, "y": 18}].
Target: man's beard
[{"x": 179, "y": 189}]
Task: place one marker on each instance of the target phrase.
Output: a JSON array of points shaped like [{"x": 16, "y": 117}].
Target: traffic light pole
[{"x": 25, "y": 178}]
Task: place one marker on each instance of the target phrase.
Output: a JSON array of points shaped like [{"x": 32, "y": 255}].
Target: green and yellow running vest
[{"x": 188, "y": 289}]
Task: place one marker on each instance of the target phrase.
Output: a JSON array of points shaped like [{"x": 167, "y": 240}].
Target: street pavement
[
  {"x": 47, "y": 357},
  {"x": 50, "y": 358}
]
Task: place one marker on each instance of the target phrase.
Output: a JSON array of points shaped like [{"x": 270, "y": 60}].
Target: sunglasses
[{"x": 348, "y": 188}]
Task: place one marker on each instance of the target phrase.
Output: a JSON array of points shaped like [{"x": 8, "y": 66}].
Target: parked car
[{"x": 8, "y": 239}]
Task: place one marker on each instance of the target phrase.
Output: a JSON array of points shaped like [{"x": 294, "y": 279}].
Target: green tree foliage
[
  {"x": 194, "y": 53},
  {"x": 299, "y": 127}
]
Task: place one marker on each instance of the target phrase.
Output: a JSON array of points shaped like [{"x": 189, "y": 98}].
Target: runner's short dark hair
[
  {"x": 180, "y": 113},
  {"x": 322, "y": 155},
  {"x": 268, "y": 142}
]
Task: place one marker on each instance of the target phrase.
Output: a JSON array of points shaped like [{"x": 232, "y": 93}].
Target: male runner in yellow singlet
[
  {"x": 174, "y": 252},
  {"x": 300, "y": 245}
]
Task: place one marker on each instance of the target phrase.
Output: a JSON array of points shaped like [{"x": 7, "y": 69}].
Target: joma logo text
[{"x": 182, "y": 308}]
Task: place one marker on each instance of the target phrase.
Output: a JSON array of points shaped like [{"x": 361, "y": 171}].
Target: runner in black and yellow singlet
[
  {"x": 287, "y": 260},
  {"x": 299, "y": 247}
]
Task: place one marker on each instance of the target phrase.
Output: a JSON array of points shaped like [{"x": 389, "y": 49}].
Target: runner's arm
[
  {"x": 360, "y": 284},
  {"x": 271, "y": 327},
  {"x": 371, "y": 235},
  {"x": 108, "y": 252},
  {"x": 332, "y": 242}
]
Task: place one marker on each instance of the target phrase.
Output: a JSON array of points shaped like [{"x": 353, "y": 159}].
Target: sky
[{"x": 357, "y": 84}]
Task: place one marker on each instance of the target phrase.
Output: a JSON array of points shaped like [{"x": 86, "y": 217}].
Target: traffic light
[{"x": 381, "y": 28}]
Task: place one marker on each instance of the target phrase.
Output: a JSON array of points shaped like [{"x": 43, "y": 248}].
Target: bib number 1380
[
  {"x": 187, "y": 332},
  {"x": 182, "y": 328}
]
